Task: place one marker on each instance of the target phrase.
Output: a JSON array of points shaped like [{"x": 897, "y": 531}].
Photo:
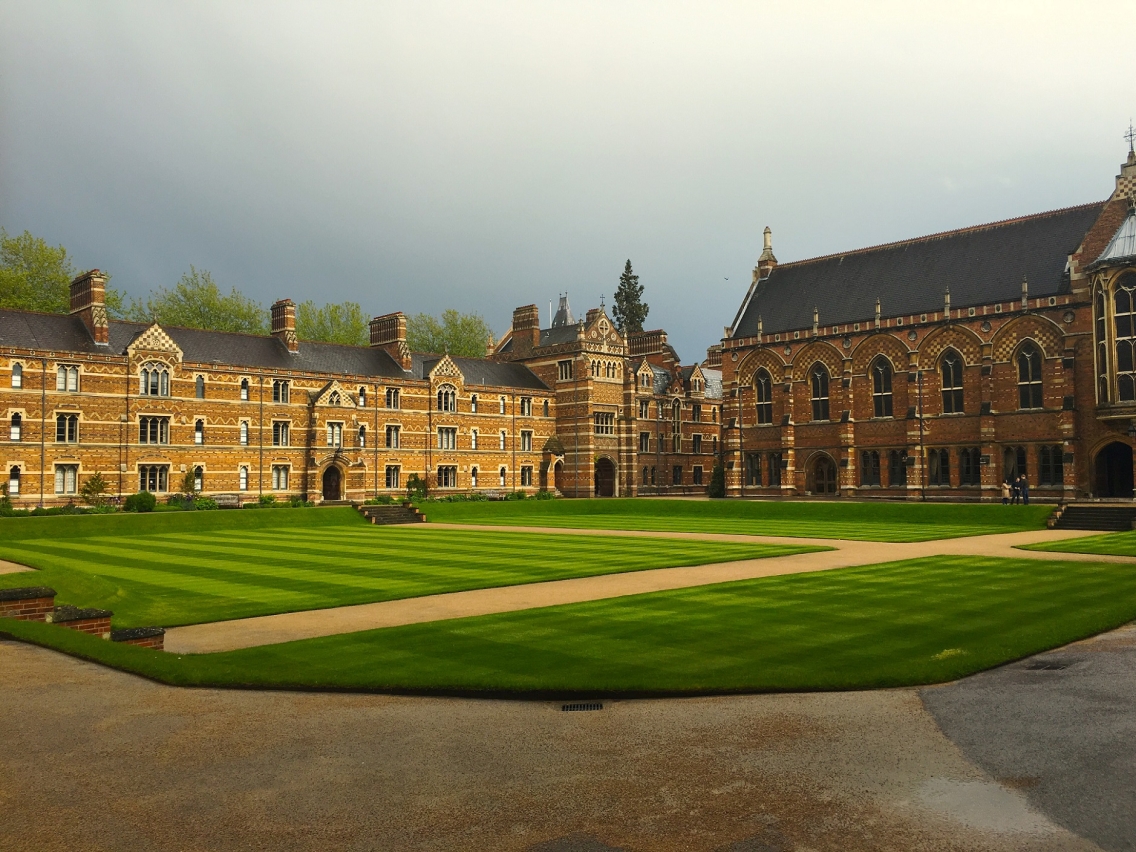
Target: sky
[{"x": 424, "y": 156}]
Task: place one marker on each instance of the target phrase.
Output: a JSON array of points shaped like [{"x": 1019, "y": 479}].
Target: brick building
[{"x": 943, "y": 365}]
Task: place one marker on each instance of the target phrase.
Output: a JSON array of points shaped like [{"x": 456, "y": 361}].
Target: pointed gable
[
  {"x": 446, "y": 370},
  {"x": 334, "y": 395},
  {"x": 154, "y": 341}
]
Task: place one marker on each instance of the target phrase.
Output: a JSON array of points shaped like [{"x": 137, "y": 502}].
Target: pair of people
[{"x": 1014, "y": 490}]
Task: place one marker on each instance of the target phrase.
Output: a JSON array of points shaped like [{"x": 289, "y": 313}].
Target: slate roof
[
  {"x": 982, "y": 264},
  {"x": 66, "y": 333}
]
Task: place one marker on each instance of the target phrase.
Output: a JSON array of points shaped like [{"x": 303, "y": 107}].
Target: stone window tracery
[
  {"x": 950, "y": 372},
  {"x": 1124, "y": 324},
  {"x": 881, "y": 388},
  {"x": 1029, "y": 377},
  {"x": 763, "y": 388},
  {"x": 819, "y": 379}
]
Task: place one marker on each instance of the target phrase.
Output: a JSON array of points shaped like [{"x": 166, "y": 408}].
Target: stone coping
[
  {"x": 129, "y": 633},
  {"x": 26, "y": 593},
  {"x": 66, "y": 612}
]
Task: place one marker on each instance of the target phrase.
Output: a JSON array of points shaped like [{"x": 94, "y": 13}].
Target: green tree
[
  {"x": 717, "y": 481},
  {"x": 197, "y": 302},
  {"x": 37, "y": 277},
  {"x": 94, "y": 490},
  {"x": 628, "y": 309},
  {"x": 342, "y": 323},
  {"x": 466, "y": 335}
]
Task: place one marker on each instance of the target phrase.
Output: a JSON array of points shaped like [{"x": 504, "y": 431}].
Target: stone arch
[
  {"x": 879, "y": 344},
  {"x": 825, "y": 353},
  {"x": 957, "y": 337},
  {"x": 1044, "y": 332},
  {"x": 763, "y": 357}
]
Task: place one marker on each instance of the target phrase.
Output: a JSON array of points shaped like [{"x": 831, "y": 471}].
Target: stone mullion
[{"x": 991, "y": 475}]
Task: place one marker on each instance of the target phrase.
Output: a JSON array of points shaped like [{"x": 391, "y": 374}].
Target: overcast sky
[{"x": 421, "y": 156}]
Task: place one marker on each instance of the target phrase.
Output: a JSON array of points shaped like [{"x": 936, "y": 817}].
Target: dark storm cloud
[{"x": 419, "y": 157}]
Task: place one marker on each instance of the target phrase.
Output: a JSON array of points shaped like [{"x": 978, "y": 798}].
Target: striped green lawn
[
  {"x": 1112, "y": 544},
  {"x": 818, "y": 519},
  {"x": 904, "y": 623},
  {"x": 209, "y": 566}
]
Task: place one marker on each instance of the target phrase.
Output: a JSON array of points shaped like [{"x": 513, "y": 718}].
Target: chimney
[
  {"x": 767, "y": 262},
  {"x": 388, "y": 333},
  {"x": 526, "y": 329},
  {"x": 284, "y": 324},
  {"x": 88, "y": 300}
]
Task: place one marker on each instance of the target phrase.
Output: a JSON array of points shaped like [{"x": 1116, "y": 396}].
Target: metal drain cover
[{"x": 584, "y": 705}]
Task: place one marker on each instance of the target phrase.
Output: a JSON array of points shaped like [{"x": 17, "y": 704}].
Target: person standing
[
  {"x": 1023, "y": 486},
  {"x": 1005, "y": 492},
  {"x": 1015, "y": 490}
]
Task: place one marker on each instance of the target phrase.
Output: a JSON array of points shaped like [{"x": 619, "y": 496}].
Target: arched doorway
[
  {"x": 1113, "y": 471},
  {"x": 558, "y": 477},
  {"x": 821, "y": 478},
  {"x": 605, "y": 478},
  {"x": 332, "y": 484}
]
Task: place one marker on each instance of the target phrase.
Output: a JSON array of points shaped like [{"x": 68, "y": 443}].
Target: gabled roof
[
  {"x": 479, "y": 371},
  {"x": 1122, "y": 246},
  {"x": 982, "y": 264}
]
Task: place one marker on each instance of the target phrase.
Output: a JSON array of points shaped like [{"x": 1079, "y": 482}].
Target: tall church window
[
  {"x": 820, "y": 392},
  {"x": 881, "y": 388},
  {"x": 775, "y": 469},
  {"x": 763, "y": 387},
  {"x": 1029, "y": 377},
  {"x": 870, "y": 467},
  {"x": 1124, "y": 320},
  {"x": 970, "y": 470},
  {"x": 950, "y": 371},
  {"x": 939, "y": 467},
  {"x": 897, "y": 468},
  {"x": 1101, "y": 331}
]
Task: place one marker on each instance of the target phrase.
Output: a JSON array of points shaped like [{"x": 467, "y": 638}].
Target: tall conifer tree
[{"x": 628, "y": 309}]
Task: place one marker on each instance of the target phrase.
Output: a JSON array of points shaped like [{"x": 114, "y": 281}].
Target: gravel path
[
  {"x": 287, "y": 627},
  {"x": 12, "y": 567}
]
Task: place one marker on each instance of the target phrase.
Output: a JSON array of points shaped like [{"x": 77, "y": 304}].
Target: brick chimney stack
[
  {"x": 388, "y": 333},
  {"x": 284, "y": 324},
  {"x": 526, "y": 328},
  {"x": 88, "y": 300}
]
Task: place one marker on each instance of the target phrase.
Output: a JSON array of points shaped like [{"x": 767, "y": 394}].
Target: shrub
[
  {"x": 544, "y": 495},
  {"x": 381, "y": 500},
  {"x": 717, "y": 482},
  {"x": 415, "y": 487},
  {"x": 204, "y": 504},
  {"x": 267, "y": 499},
  {"x": 143, "y": 501},
  {"x": 516, "y": 495}
]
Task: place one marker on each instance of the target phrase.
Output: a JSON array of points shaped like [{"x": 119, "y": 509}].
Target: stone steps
[
  {"x": 392, "y": 514},
  {"x": 1095, "y": 516}
]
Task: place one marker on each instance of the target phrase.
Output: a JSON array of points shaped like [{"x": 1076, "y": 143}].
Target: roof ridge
[{"x": 939, "y": 234}]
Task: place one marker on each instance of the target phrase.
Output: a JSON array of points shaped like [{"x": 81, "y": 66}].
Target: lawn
[
  {"x": 828, "y": 519},
  {"x": 898, "y": 624},
  {"x": 169, "y": 569},
  {"x": 1111, "y": 544}
]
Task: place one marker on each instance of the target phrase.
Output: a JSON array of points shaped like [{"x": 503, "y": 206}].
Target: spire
[
  {"x": 767, "y": 262},
  {"x": 564, "y": 314}
]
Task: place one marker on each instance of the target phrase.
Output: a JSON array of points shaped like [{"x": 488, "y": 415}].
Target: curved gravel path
[{"x": 287, "y": 627}]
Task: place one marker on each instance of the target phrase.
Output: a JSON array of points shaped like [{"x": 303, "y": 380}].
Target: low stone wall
[
  {"x": 32, "y": 603},
  {"x": 93, "y": 621},
  {"x": 144, "y": 637}
]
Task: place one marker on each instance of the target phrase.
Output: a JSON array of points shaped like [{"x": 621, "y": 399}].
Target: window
[
  {"x": 939, "y": 467},
  {"x": 676, "y": 475},
  {"x": 644, "y": 409},
  {"x": 199, "y": 387},
  {"x": 1124, "y": 323},
  {"x": 362, "y": 437},
  {"x": 881, "y": 388},
  {"x": 447, "y": 438},
  {"x": 526, "y": 406},
  {"x": 870, "y": 467},
  {"x": 17, "y": 381},
  {"x": 243, "y": 478},
  {"x": 447, "y": 399},
  {"x": 970, "y": 466},
  {"x": 501, "y": 476},
  {"x": 199, "y": 479},
  {"x": 695, "y": 413},
  {"x": 604, "y": 422},
  {"x": 280, "y": 390},
  {"x": 473, "y": 439},
  {"x": 897, "y": 468},
  {"x": 1050, "y": 465},
  {"x": 696, "y": 443},
  {"x": 67, "y": 428},
  {"x": 676, "y": 442},
  {"x": 393, "y": 437},
  {"x": 334, "y": 434},
  {"x": 774, "y": 469},
  {"x": 392, "y": 398},
  {"x": 153, "y": 430},
  {"x": 763, "y": 388},
  {"x": 473, "y": 477},
  {"x": 154, "y": 380},
  {"x": 564, "y": 370},
  {"x": 473, "y": 403},
  {"x": 392, "y": 476},
  {"x": 244, "y": 433},
  {"x": 950, "y": 369},
  {"x": 696, "y": 474},
  {"x": 526, "y": 475},
  {"x": 199, "y": 432},
  {"x": 526, "y": 441},
  {"x": 653, "y": 477},
  {"x": 501, "y": 405},
  {"x": 244, "y": 390},
  {"x": 447, "y": 476},
  {"x": 1029, "y": 377},
  {"x": 1014, "y": 463},
  {"x": 67, "y": 379},
  {"x": 645, "y": 476},
  {"x": 1101, "y": 324},
  {"x": 644, "y": 442},
  {"x": 280, "y": 433},
  {"x": 820, "y": 392},
  {"x": 362, "y": 397},
  {"x": 280, "y": 477},
  {"x": 14, "y": 482},
  {"x": 66, "y": 477},
  {"x": 502, "y": 439},
  {"x": 546, "y": 408},
  {"x": 753, "y": 469},
  {"x": 154, "y": 478},
  {"x": 16, "y": 433},
  {"x": 334, "y": 399}
]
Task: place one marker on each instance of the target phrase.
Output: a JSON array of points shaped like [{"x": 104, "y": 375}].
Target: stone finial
[
  {"x": 877, "y": 313},
  {"x": 1025, "y": 293},
  {"x": 947, "y": 303},
  {"x": 767, "y": 262},
  {"x": 816, "y": 322}
]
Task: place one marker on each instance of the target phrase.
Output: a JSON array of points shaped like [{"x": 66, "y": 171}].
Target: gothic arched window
[
  {"x": 819, "y": 375},
  {"x": 881, "y": 387},
  {"x": 1029, "y": 377},
  {"x": 1124, "y": 322},
  {"x": 950, "y": 371},
  {"x": 763, "y": 387},
  {"x": 447, "y": 398}
]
